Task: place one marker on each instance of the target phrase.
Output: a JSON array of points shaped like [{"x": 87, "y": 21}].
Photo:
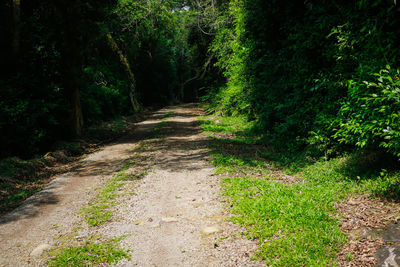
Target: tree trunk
[
  {"x": 71, "y": 63},
  {"x": 128, "y": 70},
  {"x": 76, "y": 112},
  {"x": 16, "y": 4},
  {"x": 182, "y": 91}
]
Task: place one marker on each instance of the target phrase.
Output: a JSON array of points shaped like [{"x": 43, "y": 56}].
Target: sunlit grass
[
  {"x": 98, "y": 211},
  {"x": 294, "y": 223},
  {"x": 91, "y": 253}
]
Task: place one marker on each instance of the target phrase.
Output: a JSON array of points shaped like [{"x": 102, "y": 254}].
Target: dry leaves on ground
[{"x": 359, "y": 216}]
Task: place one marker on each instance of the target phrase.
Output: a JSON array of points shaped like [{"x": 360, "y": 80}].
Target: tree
[
  {"x": 17, "y": 27},
  {"x": 71, "y": 61},
  {"x": 125, "y": 63}
]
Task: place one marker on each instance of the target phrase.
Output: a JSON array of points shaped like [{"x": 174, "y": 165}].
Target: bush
[{"x": 370, "y": 116}]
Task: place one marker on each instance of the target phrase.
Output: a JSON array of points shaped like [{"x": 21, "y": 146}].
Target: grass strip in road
[
  {"x": 91, "y": 253},
  {"x": 98, "y": 211},
  {"x": 295, "y": 221},
  {"x": 96, "y": 251}
]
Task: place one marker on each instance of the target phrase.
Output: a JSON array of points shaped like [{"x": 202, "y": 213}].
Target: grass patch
[
  {"x": 91, "y": 253},
  {"x": 237, "y": 125},
  {"x": 293, "y": 222},
  {"x": 98, "y": 211},
  {"x": 127, "y": 165},
  {"x": 158, "y": 129}
]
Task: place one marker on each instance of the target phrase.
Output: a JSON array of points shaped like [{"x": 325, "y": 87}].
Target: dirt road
[{"x": 173, "y": 216}]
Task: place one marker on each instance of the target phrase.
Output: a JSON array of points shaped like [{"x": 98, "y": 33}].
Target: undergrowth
[{"x": 294, "y": 222}]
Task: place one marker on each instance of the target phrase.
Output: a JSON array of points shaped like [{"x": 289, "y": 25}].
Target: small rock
[
  {"x": 209, "y": 230},
  {"x": 39, "y": 250},
  {"x": 169, "y": 219}
]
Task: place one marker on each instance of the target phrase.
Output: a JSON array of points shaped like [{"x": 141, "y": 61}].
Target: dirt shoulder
[{"x": 19, "y": 179}]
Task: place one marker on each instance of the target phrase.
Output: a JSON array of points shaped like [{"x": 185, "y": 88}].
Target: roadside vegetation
[{"x": 287, "y": 202}]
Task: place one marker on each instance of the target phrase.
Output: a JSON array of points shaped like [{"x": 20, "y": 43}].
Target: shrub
[{"x": 370, "y": 116}]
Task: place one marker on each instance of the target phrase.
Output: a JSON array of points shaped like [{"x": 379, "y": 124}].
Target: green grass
[
  {"x": 127, "y": 165},
  {"x": 168, "y": 115},
  {"x": 237, "y": 125},
  {"x": 293, "y": 222},
  {"x": 91, "y": 253},
  {"x": 98, "y": 211}
]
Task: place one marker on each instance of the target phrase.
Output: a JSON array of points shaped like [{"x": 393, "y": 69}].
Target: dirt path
[{"x": 172, "y": 217}]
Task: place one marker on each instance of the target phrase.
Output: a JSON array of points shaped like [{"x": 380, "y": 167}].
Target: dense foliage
[
  {"x": 319, "y": 73},
  {"x": 312, "y": 71},
  {"x": 312, "y": 79},
  {"x": 72, "y": 63}
]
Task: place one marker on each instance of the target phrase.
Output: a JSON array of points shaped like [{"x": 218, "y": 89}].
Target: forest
[
  {"x": 70, "y": 64},
  {"x": 318, "y": 81},
  {"x": 311, "y": 74}
]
